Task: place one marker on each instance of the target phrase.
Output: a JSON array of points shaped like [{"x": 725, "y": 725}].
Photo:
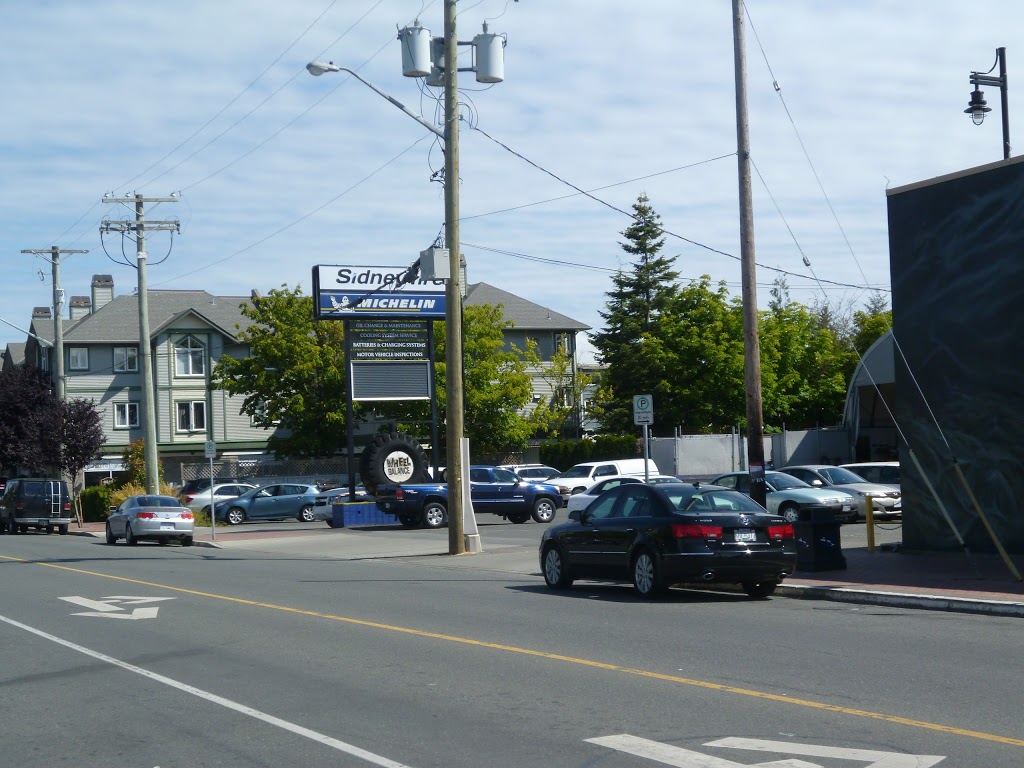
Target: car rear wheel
[
  {"x": 759, "y": 590},
  {"x": 518, "y": 517},
  {"x": 647, "y": 578},
  {"x": 12, "y": 527},
  {"x": 186, "y": 541},
  {"x": 129, "y": 536},
  {"x": 409, "y": 521},
  {"x": 544, "y": 510},
  {"x": 306, "y": 514},
  {"x": 236, "y": 515},
  {"x": 789, "y": 512},
  {"x": 434, "y": 515},
  {"x": 556, "y": 571},
  {"x": 111, "y": 539},
  {"x": 62, "y": 530},
  {"x": 163, "y": 541}
]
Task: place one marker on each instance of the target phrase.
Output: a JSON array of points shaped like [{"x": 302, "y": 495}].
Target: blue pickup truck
[{"x": 492, "y": 489}]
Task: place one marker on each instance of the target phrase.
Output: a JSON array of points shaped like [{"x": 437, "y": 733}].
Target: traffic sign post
[
  {"x": 211, "y": 452},
  {"x": 643, "y": 414}
]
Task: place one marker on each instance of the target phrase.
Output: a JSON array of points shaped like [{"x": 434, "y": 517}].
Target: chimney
[
  {"x": 102, "y": 291},
  {"x": 80, "y": 307},
  {"x": 41, "y": 313}
]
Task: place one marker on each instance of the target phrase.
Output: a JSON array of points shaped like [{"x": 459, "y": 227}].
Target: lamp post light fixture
[
  {"x": 977, "y": 107},
  {"x": 437, "y": 60}
]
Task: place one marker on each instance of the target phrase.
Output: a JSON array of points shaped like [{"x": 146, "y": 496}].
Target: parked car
[
  {"x": 580, "y": 477},
  {"x": 537, "y": 473},
  {"x": 660, "y": 479},
  {"x": 150, "y": 517},
  {"x": 787, "y": 495},
  {"x": 582, "y": 500},
  {"x": 323, "y": 506},
  {"x": 202, "y": 483},
  {"x": 280, "y": 501},
  {"x": 885, "y": 500},
  {"x": 199, "y": 501},
  {"x": 656, "y": 536},
  {"x": 882, "y": 472},
  {"x": 42, "y": 503}
]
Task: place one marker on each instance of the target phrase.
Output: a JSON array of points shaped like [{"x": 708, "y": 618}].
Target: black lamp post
[{"x": 977, "y": 107}]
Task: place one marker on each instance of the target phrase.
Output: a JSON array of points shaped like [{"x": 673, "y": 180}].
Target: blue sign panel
[{"x": 345, "y": 293}]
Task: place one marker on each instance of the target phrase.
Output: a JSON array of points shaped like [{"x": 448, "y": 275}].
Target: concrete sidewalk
[{"x": 979, "y": 583}]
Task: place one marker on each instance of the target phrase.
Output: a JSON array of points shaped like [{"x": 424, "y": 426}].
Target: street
[{"x": 270, "y": 652}]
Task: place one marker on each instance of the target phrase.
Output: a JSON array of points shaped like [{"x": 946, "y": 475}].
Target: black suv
[{"x": 32, "y": 502}]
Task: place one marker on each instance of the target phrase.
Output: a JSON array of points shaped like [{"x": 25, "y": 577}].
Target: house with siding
[{"x": 189, "y": 332}]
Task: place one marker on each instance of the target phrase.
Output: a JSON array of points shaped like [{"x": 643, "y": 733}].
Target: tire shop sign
[{"x": 343, "y": 292}]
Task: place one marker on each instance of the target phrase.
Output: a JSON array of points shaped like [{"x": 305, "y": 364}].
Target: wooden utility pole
[
  {"x": 140, "y": 226},
  {"x": 751, "y": 337},
  {"x": 58, "y": 303}
]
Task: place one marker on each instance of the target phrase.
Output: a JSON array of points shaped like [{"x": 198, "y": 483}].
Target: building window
[
  {"x": 126, "y": 359},
  {"x": 126, "y": 415},
  {"x": 189, "y": 358},
  {"x": 78, "y": 358},
  {"x": 192, "y": 416}
]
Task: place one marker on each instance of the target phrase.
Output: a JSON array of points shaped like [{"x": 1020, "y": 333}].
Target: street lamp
[
  {"x": 437, "y": 59},
  {"x": 977, "y": 107}
]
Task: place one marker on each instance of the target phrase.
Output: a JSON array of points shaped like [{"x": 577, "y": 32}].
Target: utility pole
[
  {"x": 140, "y": 226},
  {"x": 751, "y": 337},
  {"x": 58, "y": 303},
  {"x": 455, "y": 421}
]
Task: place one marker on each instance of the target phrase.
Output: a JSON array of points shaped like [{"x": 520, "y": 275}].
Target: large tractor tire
[{"x": 393, "y": 458}]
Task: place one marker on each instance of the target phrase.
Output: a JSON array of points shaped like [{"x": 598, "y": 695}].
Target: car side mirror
[{"x": 576, "y": 515}]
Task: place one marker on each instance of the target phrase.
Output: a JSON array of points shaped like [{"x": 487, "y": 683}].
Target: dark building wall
[{"x": 957, "y": 259}]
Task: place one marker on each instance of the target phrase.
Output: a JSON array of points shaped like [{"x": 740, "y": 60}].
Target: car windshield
[
  {"x": 840, "y": 476},
  {"x": 579, "y": 471},
  {"x": 506, "y": 476},
  {"x": 781, "y": 481}
]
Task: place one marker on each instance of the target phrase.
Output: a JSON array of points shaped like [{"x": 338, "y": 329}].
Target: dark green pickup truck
[{"x": 492, "y": 489}]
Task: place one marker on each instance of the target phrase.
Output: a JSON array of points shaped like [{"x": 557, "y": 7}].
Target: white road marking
[
  {"x": 685, "y": 758},
  {"x": 106, "y": 607},
  {"x": 299, "y": 730}
]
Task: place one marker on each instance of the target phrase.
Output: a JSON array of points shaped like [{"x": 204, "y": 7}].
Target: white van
[{"x": 582, "y": 476}]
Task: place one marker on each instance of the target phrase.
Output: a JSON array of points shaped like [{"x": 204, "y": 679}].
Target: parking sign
[{"x": 643, "y": 409}]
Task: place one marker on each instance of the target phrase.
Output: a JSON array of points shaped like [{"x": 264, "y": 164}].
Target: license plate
[
  {"x": 387, "y": 505},
  {"x": 744, "y": 534},
  {"x": 166, "y": 526},
  {"x": 847, "y": 507}
]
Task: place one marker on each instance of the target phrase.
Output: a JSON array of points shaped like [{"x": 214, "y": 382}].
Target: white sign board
[
  {"x": 211, "y": 450},
  {"x": 643, "y": 409}
]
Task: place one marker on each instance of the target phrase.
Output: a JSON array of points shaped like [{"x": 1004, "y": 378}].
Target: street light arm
[{"x": 318, "y": 68}]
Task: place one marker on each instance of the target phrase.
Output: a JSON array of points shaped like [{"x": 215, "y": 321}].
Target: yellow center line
[{"x": 774, "y": 697}]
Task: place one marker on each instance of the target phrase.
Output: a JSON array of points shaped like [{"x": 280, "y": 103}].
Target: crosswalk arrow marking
[{"x": 138, "y": 613}]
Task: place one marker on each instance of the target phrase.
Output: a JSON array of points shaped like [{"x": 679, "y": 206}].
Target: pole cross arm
[{"x": 318, "y": 68}]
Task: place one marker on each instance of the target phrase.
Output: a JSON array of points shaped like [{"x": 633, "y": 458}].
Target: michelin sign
[{"x": 347, "y": 292}]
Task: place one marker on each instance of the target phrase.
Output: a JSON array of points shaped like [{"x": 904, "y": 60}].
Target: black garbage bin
[{"x": 818, "y": 547}]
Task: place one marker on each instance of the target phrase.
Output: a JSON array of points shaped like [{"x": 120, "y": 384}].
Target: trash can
[{"x": 818, "y": 547}]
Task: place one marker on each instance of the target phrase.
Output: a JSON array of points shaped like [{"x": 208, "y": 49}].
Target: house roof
[
  {"x": 521, "y": 312},
  {"x": 15, "y": 353},
  {"x": 118, "y": 320}
]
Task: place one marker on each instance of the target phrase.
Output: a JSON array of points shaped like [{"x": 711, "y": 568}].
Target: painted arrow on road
[{"x": 113, "y": 607}]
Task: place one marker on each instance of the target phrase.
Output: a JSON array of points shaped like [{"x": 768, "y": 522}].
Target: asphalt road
[{"x": 166, "y": 656}]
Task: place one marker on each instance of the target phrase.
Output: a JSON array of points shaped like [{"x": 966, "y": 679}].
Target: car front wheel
[
  {"x": 789, "y": 512},
  {"x": 236, "y": 515},
  {"x": 306, "y": 514},
  {"x": 556, "y": 572},
  {"x": 647, "y": 578},
  {"x": 544, "y": 510}
]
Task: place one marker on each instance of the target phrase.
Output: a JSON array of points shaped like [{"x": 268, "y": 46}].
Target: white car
[
  {"x": 582, "y": 499},
  {"x": 199, "y": 501},
  {"x": 883, "y": 472},
  {"x": 160, "y": 518}
]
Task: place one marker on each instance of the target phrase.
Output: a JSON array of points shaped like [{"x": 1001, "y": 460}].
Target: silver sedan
[{"x": 150, "y": 517}]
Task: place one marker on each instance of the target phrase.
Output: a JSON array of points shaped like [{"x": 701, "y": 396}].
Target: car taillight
[
  {"x": 186, "y": 515},
  {"x": 67, "y": 506},
  {"x": 780, "y": 531},
  {"x": 399, "y": 494},
  {"x": 694, "y": 531},
  {"x": 188, "y": 499},
  {"x": 19, "y": 506},
  {"x": 145, "y": 515}
]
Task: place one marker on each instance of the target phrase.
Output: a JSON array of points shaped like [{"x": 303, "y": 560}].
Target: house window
[
  {"x": 126, "y": 359},
  {"x": 126, "y": 415},
  {"x": 78, "y": 358},
  {"x": 189, "y": 358},
  {"x": 192, "y": 416}
]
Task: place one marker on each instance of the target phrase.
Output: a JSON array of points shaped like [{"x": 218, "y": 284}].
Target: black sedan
[{"x": 656, "y": 536}]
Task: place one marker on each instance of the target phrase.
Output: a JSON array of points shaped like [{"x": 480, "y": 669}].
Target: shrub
[
  {"x": 132, "y": 489},
  {"x": 95, "y": 501}
]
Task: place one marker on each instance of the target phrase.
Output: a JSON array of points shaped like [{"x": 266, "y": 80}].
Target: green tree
[
  {"x": 133, "y": 457},
  {"x": 81, "y": 440},
  {"x": 871, "y": 323},
  {"x": 554, "y": 417},
  {"x": 29, "y": 421},
  {"x": 638, "y": 324},
  {"x": 294, "y": 376}
]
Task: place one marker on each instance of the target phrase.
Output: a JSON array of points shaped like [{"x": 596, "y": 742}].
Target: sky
[{"x": 276, "y": 171}]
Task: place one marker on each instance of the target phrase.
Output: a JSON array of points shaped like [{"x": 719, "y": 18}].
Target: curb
[{"x": 980, "y": 606}]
